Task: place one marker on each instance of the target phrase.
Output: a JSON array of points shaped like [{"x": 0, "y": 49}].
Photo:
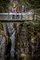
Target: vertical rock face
[
  {"x": 27, "y": 40},
  {"x": 2, "y": 42},
  {"x": 2, "y": 45},
  {"x": 22, "y": 41}
]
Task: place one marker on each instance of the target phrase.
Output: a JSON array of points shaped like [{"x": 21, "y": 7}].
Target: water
[{"x": 11, "y": 31}]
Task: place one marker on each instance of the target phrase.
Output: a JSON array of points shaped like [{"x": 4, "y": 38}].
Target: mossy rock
[{"x": 1, "y": 26}]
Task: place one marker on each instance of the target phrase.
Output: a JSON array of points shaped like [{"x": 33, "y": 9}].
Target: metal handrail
[{"x": 16, "y": 16}]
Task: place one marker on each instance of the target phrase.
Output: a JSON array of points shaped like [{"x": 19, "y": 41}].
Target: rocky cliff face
[{"x": 26, "y": 42}]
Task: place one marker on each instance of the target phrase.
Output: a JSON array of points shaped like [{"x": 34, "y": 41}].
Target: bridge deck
[
  {"x": 10, "y": 17},
  {"x": 16, "y": 16}
]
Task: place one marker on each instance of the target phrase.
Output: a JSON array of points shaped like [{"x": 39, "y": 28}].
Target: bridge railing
[{"x": 16, "y": 16}]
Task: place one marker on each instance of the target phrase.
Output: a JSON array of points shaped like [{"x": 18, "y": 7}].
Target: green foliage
[
  {"x": 32, "y": 27},
  {"x": 31, "y": 3},
  {"x": 37, "y": 27},
  {"x": 35, "y": 3},
  {"x": 1, "y": 26},
  {"x": 4, "y": 4},
  {"x": 25, "y": 3}
]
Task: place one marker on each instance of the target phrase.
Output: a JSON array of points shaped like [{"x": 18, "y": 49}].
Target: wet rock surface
[{"x": 22, "y": 41}]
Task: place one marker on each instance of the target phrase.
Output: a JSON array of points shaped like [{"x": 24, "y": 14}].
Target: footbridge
[{"x": 18, "y": 16}]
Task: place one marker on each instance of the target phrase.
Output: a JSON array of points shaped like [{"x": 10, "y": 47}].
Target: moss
[{"x": 1, "y": 26}]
